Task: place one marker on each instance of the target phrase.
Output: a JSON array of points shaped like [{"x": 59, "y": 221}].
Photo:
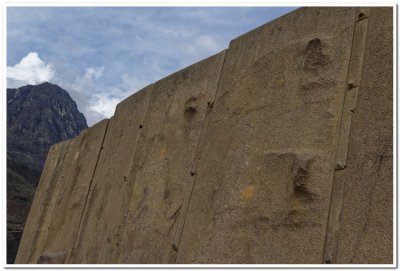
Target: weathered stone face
[
  {"x": 282, "y": 107},
  {"x": 365, "y": 229},
  {"x": 254, "y": 155}
]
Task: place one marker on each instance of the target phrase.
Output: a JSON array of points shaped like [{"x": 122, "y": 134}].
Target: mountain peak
[{"x": 39, "y": 116}]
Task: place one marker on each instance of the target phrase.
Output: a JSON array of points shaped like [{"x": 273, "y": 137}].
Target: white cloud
[
  {"x": 84, "y": 90},
  {"x": 200, "y": 48},
  {"x": 103, "y": 105},
  {"x": 208, "y": 43},
  {"x": 139, "y": 45},
  {"x": 95, "y": 100},
  {"x": 94, "y": 73},
  {"x": 85, "y": 83},
  {"x": 132, "y": 82},
  {"x": 30, "y": 70}
]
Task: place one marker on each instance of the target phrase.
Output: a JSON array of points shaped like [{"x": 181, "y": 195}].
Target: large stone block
[
  {"x": 40, "y": 214},
  {"x": 162, "y": 175},
  {"x": 143, "y": 176},
  {"x": 263, "y": 186},
  {"x": 277, "y": 150},
  {"x": 112, "y": 185},
  {"x": 65, "y": 201},
  {"x": 366, "y": 223}
]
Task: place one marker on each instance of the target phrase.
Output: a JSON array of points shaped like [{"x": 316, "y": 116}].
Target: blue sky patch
[{"x": 101, "y": 55}]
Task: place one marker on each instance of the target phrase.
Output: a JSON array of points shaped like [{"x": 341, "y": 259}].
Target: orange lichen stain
[
  {"x": 248, "y": 192},
  {"x": 280, "y": 82},
  {"x": 163, "y": 152}
]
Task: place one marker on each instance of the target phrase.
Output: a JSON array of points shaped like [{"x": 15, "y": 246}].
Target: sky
[{"x": 101, "y": 55}]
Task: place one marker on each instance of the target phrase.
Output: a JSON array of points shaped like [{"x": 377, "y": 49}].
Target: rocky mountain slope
[{"x": 37, "y": 117}]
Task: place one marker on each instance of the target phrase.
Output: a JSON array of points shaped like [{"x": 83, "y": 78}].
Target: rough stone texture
[
  {"x": 162, "y": 171},
  {"x": 366, "y": 226},
  {"x": 53, "y": 258},
  {"x": 145, "y": 189},
  {"x": 38, "y": 218},
  {"x": 264, "y": 187},
  {"x": 234, "y": 159},
  {"x": 65, "y": 200},
  {"x": 112, "y": 184}
]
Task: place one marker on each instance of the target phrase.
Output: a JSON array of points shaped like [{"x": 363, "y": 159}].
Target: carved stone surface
[
  {"x": 366, "y": 222},
  {"x": 264, "y": 187},
  {"x": 264, "y": 153}
]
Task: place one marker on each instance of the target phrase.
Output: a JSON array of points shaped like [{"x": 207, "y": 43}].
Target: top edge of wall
[
  {"x": 299, "y": 12},
  {"x": 147, "y": 88},
  {"x": 80, "y": 134},
  {"x": 300, "y": 9},
  {"x": 60, "y": 144},
  {"x": 191, "y": 66}
]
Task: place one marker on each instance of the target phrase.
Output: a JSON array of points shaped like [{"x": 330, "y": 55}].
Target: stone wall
[{"x": 276, "y": 150}]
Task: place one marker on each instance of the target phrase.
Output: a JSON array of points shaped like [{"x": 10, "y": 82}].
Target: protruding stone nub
[
  {"x": 340, "y": 165},
  {"x": 52, "y": 258},
  {"x": 362, "y": 14},
  {"x": 351, "y": 85}
]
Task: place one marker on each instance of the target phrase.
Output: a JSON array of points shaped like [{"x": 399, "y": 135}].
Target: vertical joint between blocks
[{"x": 353, "y": 85}]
